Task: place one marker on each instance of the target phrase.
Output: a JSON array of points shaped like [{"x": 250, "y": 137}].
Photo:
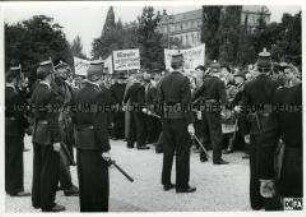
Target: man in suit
[
  {"x": 174, "y": 96},
  {"x": 92, "y": 142}
]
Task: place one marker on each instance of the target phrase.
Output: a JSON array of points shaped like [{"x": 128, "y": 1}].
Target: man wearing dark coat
[
  {"x": 15, "y": 126},
  {"x": 136, "y": 95},
  {"x": 91, "y": 140},
  {"x": 46, "y": 101},
  {"x": 285, "y": 123},
  {"x": 257, "y": 96},
  {"x": 117, "y": 91},
  {"x": 174, "y": 96},
  {"x": 214, "y": 99},
  {"x": 66, "y": 129}
]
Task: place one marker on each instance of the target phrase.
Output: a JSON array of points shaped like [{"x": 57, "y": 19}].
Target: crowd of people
[{"x": 257, "y": 109}]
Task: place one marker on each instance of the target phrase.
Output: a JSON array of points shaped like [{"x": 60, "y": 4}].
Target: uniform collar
[{"x": 11, "y": 85}]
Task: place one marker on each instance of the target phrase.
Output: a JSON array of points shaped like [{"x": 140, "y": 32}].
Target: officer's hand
[
  {"x": 247, "y": 139},
  {"x": 191, "y": 129},
  {"x": 238, "y": 108},
  {"x": 267, "y": 188},
  {"x": 106, "y": 156},
  {"x": 57, "y": 147}
]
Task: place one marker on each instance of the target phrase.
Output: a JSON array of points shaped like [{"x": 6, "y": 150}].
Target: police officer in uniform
[
  {"x": 286, "y": 124},
  {"x": 15, "y": 126},
  {"x": 213, "y": 95},
  {"x": 257, "y": 96},
  {"x": 174, "y": 96},
  {"x": 46, "y": 140},
  {"x": 66, "y": 129},
  {"x": 92, "y": 142}
]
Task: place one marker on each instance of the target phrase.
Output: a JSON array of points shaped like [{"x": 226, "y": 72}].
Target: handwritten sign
[{"x": 126, "y": 59}]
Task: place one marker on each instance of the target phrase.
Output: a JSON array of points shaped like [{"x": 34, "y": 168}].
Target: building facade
[{"x": 185, "y": 28}]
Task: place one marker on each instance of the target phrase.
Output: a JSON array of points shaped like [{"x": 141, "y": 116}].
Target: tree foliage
[
  {"x": 35, "y": 40},
  {"x": 77, "y": 48},
  {"x": 150, "y": 40}
]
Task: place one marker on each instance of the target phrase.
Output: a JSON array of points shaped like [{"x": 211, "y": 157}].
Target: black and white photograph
[{"x": 155, "y": 106}]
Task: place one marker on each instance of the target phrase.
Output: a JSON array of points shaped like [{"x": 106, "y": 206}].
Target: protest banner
[
  {"x": 192, "y": 57},
  {"x": 126, "y": 59}
]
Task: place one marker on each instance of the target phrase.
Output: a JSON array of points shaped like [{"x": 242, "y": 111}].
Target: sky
[{"x": 86, "y": 20}]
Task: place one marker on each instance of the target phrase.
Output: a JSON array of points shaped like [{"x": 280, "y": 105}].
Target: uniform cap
[
  {"x": 95, "y": 69},
  {"x": 177, "y": 61},
  {"x": 44, "y": 69},
  {"x": 215, "y": 66},
  {"x": 264, "y": 60}
]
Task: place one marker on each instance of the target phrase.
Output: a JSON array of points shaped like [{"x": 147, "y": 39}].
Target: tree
[
  {"x": 108, "y": 41},
  {"x": 209, "y": 32},
  {"x": 229, "y": 34},
  {"x": 35, "y": 40},
  {"x": 150, "y": 40},
  {"x": 77, "y": 48}
]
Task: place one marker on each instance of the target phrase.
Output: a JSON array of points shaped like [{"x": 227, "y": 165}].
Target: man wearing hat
[
  {"x": 213, "y": 95},
  {"x": 46, "y": 140},
  {"x": 15, "y": 126},
  {"x": 92, "y": 142},
  {"x": 257, "y": 96},
  {"x": 135, "y": 94},
  {"x": 117, "y": 91},
  {"x": 174, "y": 96},
  {"x": 61, "y": 75}
]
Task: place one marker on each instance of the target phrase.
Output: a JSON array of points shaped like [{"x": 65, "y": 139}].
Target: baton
[
  {"x": 150, "y": 113},
  {"x": 67, "y": 154},
  {"x": 201, "y": 145},
  {"x": 112, "y": 162}
]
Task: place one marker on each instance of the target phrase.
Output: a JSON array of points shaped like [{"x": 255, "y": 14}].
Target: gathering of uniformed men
[{"x": 258, "y": 109}]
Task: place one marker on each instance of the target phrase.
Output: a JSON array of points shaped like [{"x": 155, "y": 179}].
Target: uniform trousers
[
  {"x": 45, "y": 176},
  {"x": 176, "y": 140},
  {"x": 93, "y": 181},
  {"x": 257, "y": 201},
  {"x": 14, "y": 146},
  {"x": 212, "y": 133}
]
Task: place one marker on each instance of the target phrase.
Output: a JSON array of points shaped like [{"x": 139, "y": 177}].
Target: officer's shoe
[
  {"x": 186, "y": 190},
  {"x": 143, "y": 147},
  {"x": 72, "y": 191},
  {"x": 221, "y": 162},
  {"x": 21, "y": 194},
  {"x": 55, "y": 208},
  {"x": 168, "y": 187}
]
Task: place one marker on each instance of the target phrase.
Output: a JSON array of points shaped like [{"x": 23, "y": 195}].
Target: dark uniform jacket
[
  {"x": 174, "y": 89},
  {"x": 256, "y": 98},
  {"x": 15, "y": 109},
  {"x": 117, "y": 91},
  {"x": 286, "y": 123},
  {"x": 46, "y": 102},
  {"x": 136, "y": 94},
  {"x": 212, "y": 89},
  {"x": 90, "y": 110}
]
